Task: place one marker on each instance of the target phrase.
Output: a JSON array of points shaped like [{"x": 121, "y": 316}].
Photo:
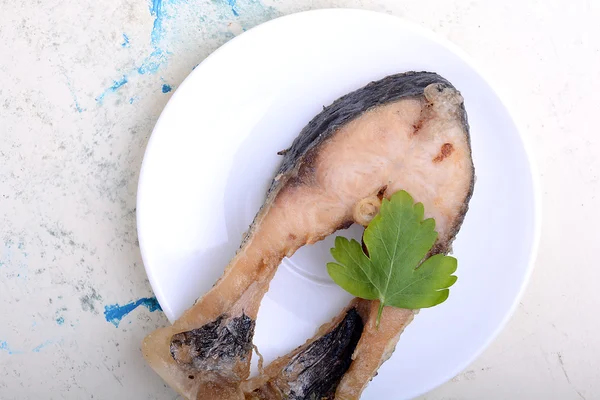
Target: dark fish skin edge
[
  {"x": 225, "y": 340},
  {"x": 316, "y": 371}
]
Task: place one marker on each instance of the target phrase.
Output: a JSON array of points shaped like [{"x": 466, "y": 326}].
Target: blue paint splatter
[
  {"x": 152, "y": 63},
  {"x": 247, "y": 13},
  {"x": 156, "y": 10},
  {"x": 37, "y": 349},
  {"x": 166, "y": 88},
  {"x": 115, "y": 86},
  {"x": 115, "y": 313},
  {"x": 125, "y": 41},
  {"x": 232, "y": 4},
  {"x": 77, "y": 106},
  {"x": 158, "y": 56},
  {"x": 250, "y": 13},
  {"x": 7, "y": 253},
  {"x": 60, "y": 320},
  {"x": 4, "y": 346},
  {"x": 119, "y": 83},
  {"x": 131, "y": 100}
]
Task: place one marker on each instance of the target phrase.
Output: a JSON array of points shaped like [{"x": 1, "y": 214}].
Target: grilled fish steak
[{"x": 407, "y": 131}]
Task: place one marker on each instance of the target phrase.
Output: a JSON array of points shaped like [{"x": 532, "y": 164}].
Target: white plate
[{"x": 213, "y": 153}]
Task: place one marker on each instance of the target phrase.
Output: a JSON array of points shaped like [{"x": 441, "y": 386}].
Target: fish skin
[
  {"x": 222, "y": 341},
  {"x": 314, "y": 369}
]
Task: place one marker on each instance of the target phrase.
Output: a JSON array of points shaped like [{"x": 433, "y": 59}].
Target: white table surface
[{"x": 78, "y": 102}]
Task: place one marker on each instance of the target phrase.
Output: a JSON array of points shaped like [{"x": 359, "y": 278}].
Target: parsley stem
[{"x": 379, "y": 313}]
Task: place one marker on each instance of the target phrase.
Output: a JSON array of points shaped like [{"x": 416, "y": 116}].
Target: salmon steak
[{"x": 405, "y": 132}]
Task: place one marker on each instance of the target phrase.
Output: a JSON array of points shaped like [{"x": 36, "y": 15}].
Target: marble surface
[{"x": 81, "y": 85}]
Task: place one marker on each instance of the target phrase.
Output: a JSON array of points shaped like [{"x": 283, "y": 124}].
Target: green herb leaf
[{"x": 397, "y": 240}]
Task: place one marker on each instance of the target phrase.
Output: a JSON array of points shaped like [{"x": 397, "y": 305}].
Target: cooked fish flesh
[
  {"x": 407, "y": 131},
  {"x": 375, "y": 346}
]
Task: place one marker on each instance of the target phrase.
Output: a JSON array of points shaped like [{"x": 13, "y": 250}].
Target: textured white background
[{"x": 72, "y": 137}]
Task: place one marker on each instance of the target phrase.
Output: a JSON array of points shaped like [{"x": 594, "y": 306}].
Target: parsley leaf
[{"x": 397, "y": 240}]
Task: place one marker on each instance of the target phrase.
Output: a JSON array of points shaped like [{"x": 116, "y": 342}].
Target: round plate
[{"x": 213, "y": 154}]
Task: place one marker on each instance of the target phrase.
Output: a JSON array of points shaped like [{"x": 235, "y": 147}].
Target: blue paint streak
[
  {"x": 115, "y": 313},
  {"x": 166, "y": 88},
  {"x": 158, "y": 57},
  {"x": 153, "y": 62},
  {"x": 4, "y": 346},
  {"x": 119, "y": 83},
  {"x": 41, "y": 346},
  {"x": 131, "y": 100},
  {"x": 77, "y": 106},
  {"x": 232, "y": 4},
  {"x": 115, "y": 86},
  {"x": 60, "y": 320},
  {"x": 156, "y": 11}
]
